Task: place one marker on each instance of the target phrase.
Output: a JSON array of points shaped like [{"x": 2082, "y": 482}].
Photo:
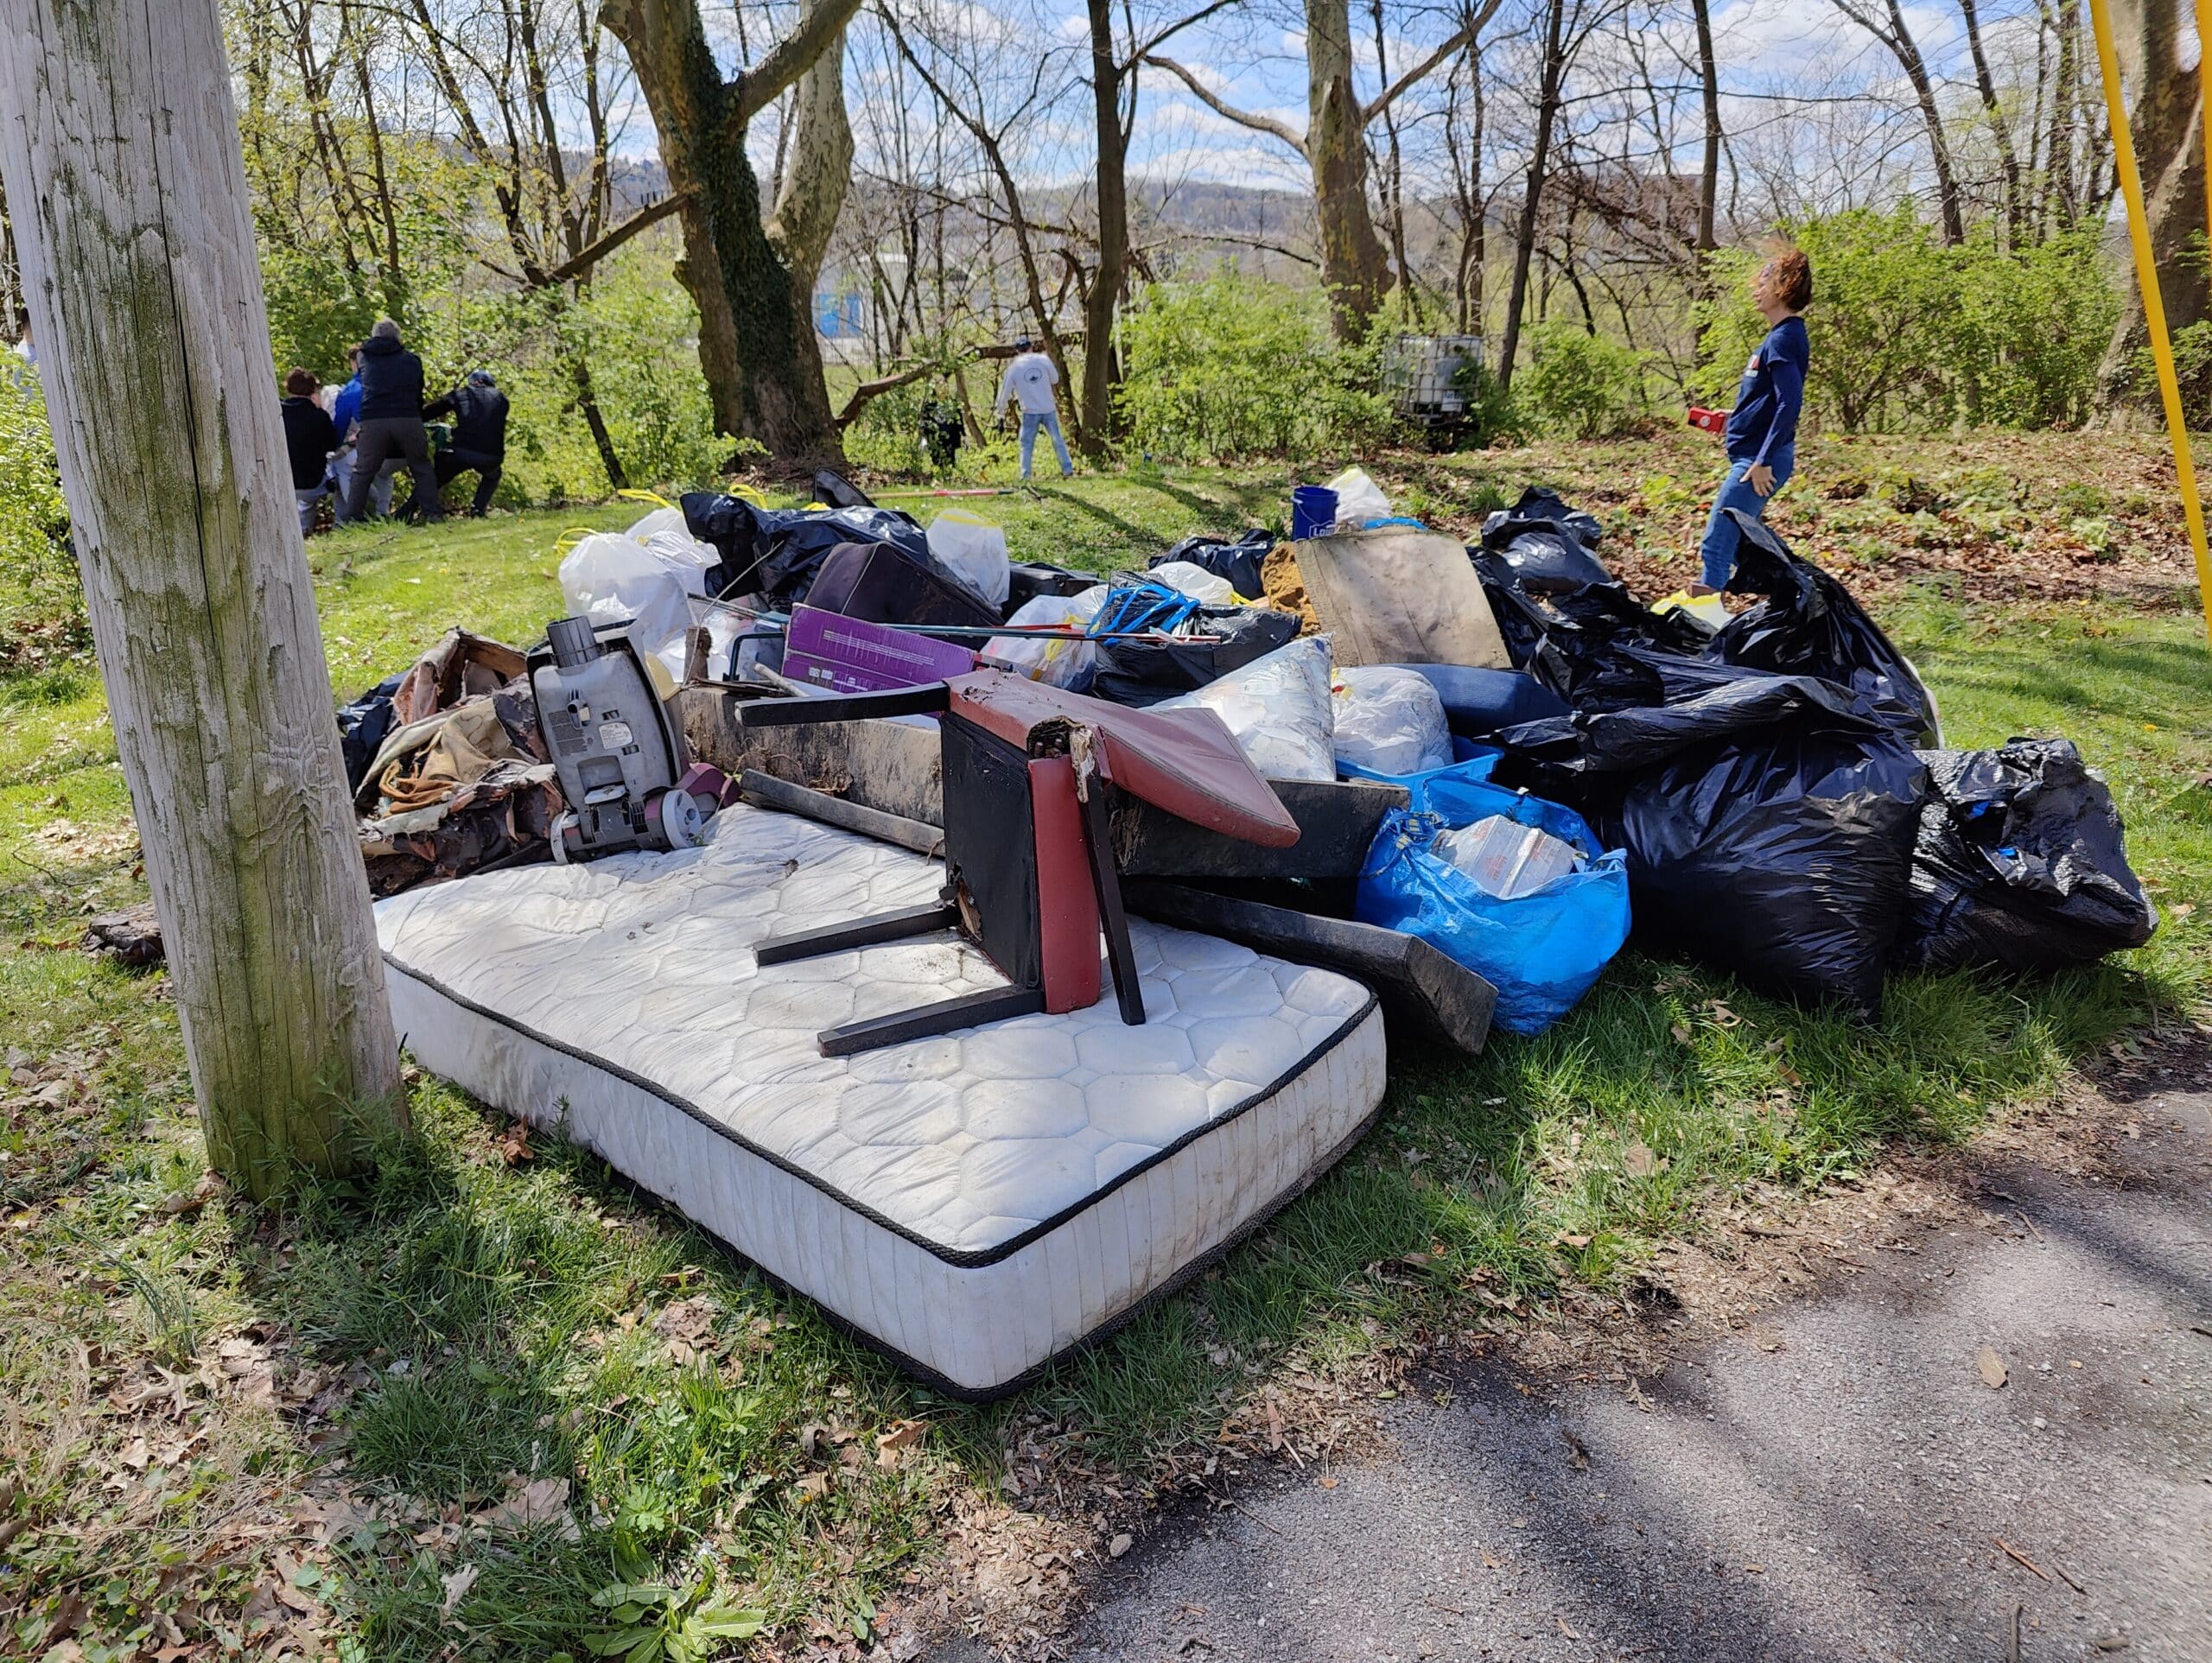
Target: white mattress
[{"x": 973, "y": 1204}]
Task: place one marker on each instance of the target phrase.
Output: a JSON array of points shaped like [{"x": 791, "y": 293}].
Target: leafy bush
[
  {"x": 1577, "y": 383},
  {"x": 41, "y": 607},
  {"x": 1228, "y": 367},
  {"x": 1911, "y": 335},
  {"x": 1491, "y": 414}
]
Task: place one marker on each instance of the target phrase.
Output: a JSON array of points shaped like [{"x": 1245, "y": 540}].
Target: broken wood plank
[{"x": 1420, "y": 988}]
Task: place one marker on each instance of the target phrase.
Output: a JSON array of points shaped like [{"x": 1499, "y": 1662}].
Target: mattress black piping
[
  {"x": 1098, "y": 1336},
  {"x": 960, "y": 1258}
]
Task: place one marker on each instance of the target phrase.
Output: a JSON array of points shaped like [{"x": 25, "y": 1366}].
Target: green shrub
[
  {"x": 1910, "y": 335},
  {"x": 1578, "y": 383},
  {"x": 42, "y": 607},
  {"x": 1229, "y": 367}
]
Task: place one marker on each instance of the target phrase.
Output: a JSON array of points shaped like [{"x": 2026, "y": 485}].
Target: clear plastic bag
[
  {"x": 1062, "y": 661},
  {"x": 972, "y": 550},
  {"x": 1359, "y": 499},
  {"x": 1279, "y": 709},
  {"x": 609, "y": 576},
  {"x": 1389, "y": 719}
]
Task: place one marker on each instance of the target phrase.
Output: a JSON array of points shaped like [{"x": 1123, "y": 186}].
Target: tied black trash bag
[
  {"x": 1145, "y": 672},
  {"x": 2021, "y": 863},
  {"x": 1238, "y": 563},
  {"x": 1548, "y": 546},
  {"x": 775, "y": 552},
  {"x": 1768, "y": 823},
  {"x": 1810, "y": 624}
]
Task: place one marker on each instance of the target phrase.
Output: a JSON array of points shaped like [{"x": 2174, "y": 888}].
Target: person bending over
[
  {"x": 479, "y": 409},
  {"x": 391, "y": 424},
  {"x": 1030, "y": 379},
  {"x": 1762, "y": 432}
]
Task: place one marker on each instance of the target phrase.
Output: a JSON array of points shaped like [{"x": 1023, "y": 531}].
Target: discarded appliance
[
  {"x": 1030, "y": 875},
  {"x": 620, "y": 759}
]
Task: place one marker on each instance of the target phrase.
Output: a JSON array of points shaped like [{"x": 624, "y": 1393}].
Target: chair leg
[
  {"x": 1120, "y": 957},
  {"x": 855, "y": 932}
]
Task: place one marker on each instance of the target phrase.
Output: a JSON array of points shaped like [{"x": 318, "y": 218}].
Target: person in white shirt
[
  {"x": 1031, "y": 378},
  {"x": 24, "y": 348}
]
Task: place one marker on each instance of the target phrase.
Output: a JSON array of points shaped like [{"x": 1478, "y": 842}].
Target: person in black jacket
[
  {"x": 479, "y": 409},
  {"x": 310, "y": 437},
  {"x": 391, "y": 423}
]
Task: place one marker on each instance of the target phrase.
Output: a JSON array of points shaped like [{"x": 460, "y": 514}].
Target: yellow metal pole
[
  {"x": 2154, "y": 307},
  {"x": 2204, "y": 99}
]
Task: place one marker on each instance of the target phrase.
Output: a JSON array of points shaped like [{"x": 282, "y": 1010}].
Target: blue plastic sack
[{"x": 1542, "y": 951}]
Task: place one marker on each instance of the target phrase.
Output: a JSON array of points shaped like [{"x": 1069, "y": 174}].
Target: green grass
[{"x": 458, "y": 1325}]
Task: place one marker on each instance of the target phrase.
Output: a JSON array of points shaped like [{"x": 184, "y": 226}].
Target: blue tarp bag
[{"x": 1542, "y": 951}]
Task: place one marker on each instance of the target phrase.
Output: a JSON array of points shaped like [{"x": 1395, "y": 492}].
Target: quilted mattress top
[{"x": 968, "y": 1143}]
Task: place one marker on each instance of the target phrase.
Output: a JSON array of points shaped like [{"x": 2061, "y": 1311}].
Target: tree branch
[
  {"x": 1466, "y": 32},
  {"x": 1266, "y": 124},
  {"x": 581, "y": 263},
  {"x": 755, "y": 89}
]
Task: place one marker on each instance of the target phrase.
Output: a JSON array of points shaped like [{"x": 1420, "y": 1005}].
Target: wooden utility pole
[{"x": 119, "y": 153}]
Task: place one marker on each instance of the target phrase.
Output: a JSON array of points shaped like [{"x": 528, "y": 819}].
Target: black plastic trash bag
[
  {"x": 1810, "y": 624},
  {"x": 2021, "y": 864},
  {"x": 363, "y": 726},
  {"x": 1238, "y": 563},
  {"x": 1768, "y": 823},
  {"x": 1145, "y": 672},
  {"x": 1598, "y": 648},
  {"x": 775, "y": 552},
  {"x": 1548, "y": 546}
]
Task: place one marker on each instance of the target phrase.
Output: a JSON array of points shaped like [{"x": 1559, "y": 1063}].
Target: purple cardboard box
[{"x": 850, "y": 655}]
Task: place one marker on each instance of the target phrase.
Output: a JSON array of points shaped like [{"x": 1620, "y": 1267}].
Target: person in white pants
[{"x": 1030, "y": 379}]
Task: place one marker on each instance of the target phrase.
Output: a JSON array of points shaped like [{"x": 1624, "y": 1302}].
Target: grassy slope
[{"x": 467, "y": 1318}]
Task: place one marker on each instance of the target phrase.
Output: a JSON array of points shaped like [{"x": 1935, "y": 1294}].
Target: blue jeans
[
  {"x": 1049, "y": 421},
  {"x": 1721, "y": 536}
]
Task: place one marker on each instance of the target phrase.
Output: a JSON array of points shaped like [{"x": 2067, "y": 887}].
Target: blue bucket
[{"x": 1312, "y": 511}]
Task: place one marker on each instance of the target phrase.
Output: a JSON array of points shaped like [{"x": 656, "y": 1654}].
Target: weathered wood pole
[{"x": 119, "y": 153}]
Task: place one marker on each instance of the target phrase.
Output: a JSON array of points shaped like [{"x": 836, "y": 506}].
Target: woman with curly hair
[{"x": 1762, "y": 431}]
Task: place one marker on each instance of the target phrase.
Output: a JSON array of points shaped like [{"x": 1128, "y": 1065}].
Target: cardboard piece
[{"x": 1395, "y": 595}]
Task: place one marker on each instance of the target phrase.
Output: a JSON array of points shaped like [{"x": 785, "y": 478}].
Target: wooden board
[
  {"x": 1421, "y": 990},
  {"x": 894, "y": 766},
  {"x": 1398, "y": 596}
]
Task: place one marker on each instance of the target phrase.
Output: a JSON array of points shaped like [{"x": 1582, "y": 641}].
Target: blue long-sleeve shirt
[
  {"x": 1771, "y": 395},
  {"x": 347, "y": 406}
]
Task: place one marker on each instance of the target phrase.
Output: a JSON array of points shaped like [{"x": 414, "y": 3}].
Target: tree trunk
[
  {"x": 757, "y": 343},
  {"x": 1939, "y": 149},
  {"x": 2059, "y": 193},
  {"x": 2170, "y": 146},
  {"x": 1708, "y": 177},
  {"x": 115, "y": 122},
  {"x": 2007, "y": 158},
  {"x": 1524, "y": 242},
  {"x": 1100, "y": 367},
  {"x": 1336, "y": 149}
]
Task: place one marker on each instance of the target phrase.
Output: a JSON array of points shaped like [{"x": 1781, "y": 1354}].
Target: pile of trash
[{"x": 1766, "y": 792}]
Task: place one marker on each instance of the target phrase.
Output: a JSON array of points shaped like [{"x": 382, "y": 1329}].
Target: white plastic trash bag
[
  {"x": 1389, "y": 719},
  {"x": 1359, "y": 499},
  {"x": 1206, "y": 587},
  {"x": 610, "y": 575},
  {"x": 972, "y": 550},
  {"x": 1279, "y": 709},
  {"x": 1060, "y": 660}
]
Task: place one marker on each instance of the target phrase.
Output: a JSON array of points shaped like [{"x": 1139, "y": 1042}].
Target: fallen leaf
[
  {"x": 541, "y": 1502},
  {"x": 457, "y": 1585},
  {"x": 1638, "y": 1161},
  {"x": 1120, "y": 1544},
  {"x": 1992, "y": 1367},
  {"x": 900, "y": 1435},
  {"x": 513, "y": 1144}
]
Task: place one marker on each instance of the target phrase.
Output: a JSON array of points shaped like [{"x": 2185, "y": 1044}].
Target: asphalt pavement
[{"x": 1832, "y": 1483}]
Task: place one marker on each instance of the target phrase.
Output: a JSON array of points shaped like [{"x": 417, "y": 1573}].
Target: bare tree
[
  {"x": 1889, "y": 27},
  {"x": 1334, "y": 144},
  {"x": 757, "y": 341}
]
